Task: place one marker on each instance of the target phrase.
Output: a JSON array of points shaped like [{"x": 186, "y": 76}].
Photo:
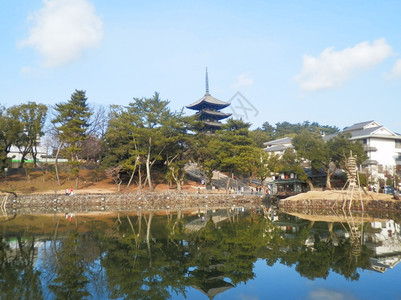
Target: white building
[
  {"x": 16, "y": 155},
  {"x": 382, "y": 146},
  {"x": 41, "y": 155},
  {"x": 279, "y": 146},
  {"x": 385, "y": 241}
]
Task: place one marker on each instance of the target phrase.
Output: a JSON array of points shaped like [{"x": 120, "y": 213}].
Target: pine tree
[{"x": 72, "y": 122}]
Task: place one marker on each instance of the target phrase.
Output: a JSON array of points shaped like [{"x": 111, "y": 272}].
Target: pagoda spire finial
[{"x": 207, "y": 83}]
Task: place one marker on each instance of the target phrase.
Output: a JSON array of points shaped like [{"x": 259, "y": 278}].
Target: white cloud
[
  {"x": 396, "y": 71},
  {"x": 332, "y": 68},
  {"x": 328, "y": 294},
  {"x": 62, "y": 29},
  {"x": 243, "y": 80}
]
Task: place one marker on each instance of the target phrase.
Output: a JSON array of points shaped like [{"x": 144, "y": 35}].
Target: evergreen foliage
[
  {"x": 72, "y": 122},
  {"x": 134, "y": 140}
]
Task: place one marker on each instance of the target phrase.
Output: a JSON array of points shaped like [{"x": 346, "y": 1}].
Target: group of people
[
  {"x": 259, "y": 191},
  {"x": 69, "y": 216},
  {"x": 69, "y": 192}
]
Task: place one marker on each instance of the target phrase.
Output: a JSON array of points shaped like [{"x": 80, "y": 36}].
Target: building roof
[
  {"x": 367, "y": 129},
  {"x": 379, "y": 132},
  {"x": 208, "y": 101},
  {"x": 369, "y": 162},
  {"x": 362, "y": 125},
  {"x": 212, "y": 124},
  {"x": 285, "y": 140},
  {"x": 277, "y": 148}
]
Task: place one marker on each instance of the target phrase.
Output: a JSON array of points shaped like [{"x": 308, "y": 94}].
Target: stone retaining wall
[
  {"x": 322, "y": 204},
  {"x": 121, "y": 202}
]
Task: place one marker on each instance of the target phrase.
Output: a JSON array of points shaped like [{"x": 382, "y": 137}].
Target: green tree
[
  {"x": 266, "y": 164},
  {"x": 139, "y": 135},
  {"x": 260, "y": 137},
  {"x": 72, "y": 122},
  {"x": 204, "y": 152},
  {"x": 235, "y": 149},
  {"x": 179, "y": 147},
  {"x": 327, "y": 155},
  {"x": 120, "y": 146},
  {"x": 270, "y": 131},
  {"x": 311, "y": 147},
  {"x": 287, "y": 129},
  {"x": 31, "y": 117},
  {"x": 149, "y": 132},
  {"x": 289, "y": 163},
  {"x": 10, "y": 128}
]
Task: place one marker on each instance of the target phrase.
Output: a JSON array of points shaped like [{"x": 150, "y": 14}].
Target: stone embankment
[
  {"x": 124, "y": 202},
  {"x": 329, "y": 200}
]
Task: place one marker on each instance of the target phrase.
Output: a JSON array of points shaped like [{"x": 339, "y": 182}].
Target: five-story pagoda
[{"x": 209, "y": 112}]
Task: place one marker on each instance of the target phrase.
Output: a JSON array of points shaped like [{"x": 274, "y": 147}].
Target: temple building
[{"x": 208, "y": 110}]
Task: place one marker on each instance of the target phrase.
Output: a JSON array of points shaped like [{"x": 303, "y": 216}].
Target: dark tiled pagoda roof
[
  {"x": 208, "y": 101},
  {"x": 217, "y": 115},
  {"x": 212, "y": 124}
]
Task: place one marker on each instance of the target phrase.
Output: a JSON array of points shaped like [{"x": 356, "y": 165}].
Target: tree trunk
[
  {"x": 21, "y": 163},
  {"x": 133, "y": 171},
  {"x": 148, "y": 166},
  {"x": 328, "y": 178},
  {"x": 228, "y": 184},
  {"x": 34, "y": 154},
  {"x": 130, "y": 179},
  {"x": 148, "y": 173},
  {"x": 56, "y": 164},
  {"x": 177, "y": 179},
  {"x": 140, "y": 178},
  {"x": 148, "y": 231},
  {"x": 310, "y": 184}
]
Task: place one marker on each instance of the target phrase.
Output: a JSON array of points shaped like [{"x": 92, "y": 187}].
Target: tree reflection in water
[
  {"x": 18, "y": 277},
  {"x": 70, "y": 281},
  {"x": 153, "y": 256}
]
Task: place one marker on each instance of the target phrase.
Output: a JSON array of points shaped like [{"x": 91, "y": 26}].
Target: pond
[{"x": 233, "y": 253}]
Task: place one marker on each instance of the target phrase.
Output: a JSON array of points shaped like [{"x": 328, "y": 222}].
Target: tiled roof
[
  {"x": 357, "y": 131},
  {"x": 363, "y": 132},
  {"x": 357, "y": 126},
  {"x": 206, "y": 101},
  {"x": 277, "y": 148},
  {"x": 217, "y": 114},
  {"x": 370, "y": 162},
  {"x": 212, "y": 124},
  {"x": 285, "y": 140}
]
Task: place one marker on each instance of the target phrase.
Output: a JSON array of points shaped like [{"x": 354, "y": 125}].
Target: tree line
[{"x": 146, "y": 142}]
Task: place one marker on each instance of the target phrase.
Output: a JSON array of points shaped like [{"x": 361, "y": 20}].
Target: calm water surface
[{"x": 232, "y": 253}]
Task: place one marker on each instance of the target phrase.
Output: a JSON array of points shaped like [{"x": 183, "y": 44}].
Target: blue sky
[{"x": 333, "y": 62}]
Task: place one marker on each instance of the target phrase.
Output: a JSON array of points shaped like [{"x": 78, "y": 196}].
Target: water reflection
[{"x": 166, "y": 254}]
